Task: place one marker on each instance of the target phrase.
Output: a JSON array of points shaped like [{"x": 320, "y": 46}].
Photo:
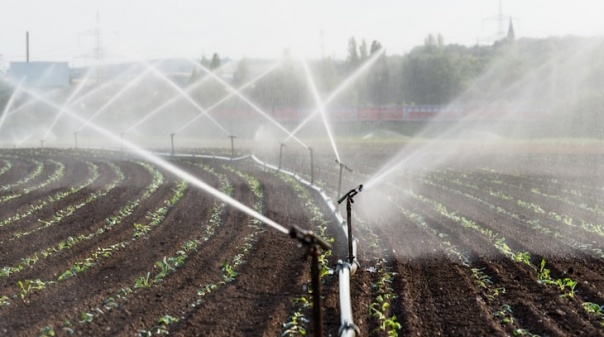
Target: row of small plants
[
  {"x": 71, "y": 209},
  {"x": 70, "y": 242},
  {"x": 56, "y": 175},
  {"x": 39, "y": 167},
  {"x": 565, "y": 285},
  {"x": 162, "y": 268},
  {"x": 229, "y": 268},
  {"x": 297, "y": 323},
  {"x": 154, "y": 218},
  {"x": 6, "y": 166},
  {"x": 383, "y": 293},
  {"x": 27, "y": 286},
  {"x": 58, "y": 216},
  {"x": 553, "y": 215},
  {"x": 533, "y": 223},
  {"x": 41, "y": 203},
  {"x": 493, "y": 293}
]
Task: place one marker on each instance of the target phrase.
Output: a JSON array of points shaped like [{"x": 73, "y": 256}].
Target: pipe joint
[
  {"x": 341, "y": 265},
  {"x": 347, "y": 326}
]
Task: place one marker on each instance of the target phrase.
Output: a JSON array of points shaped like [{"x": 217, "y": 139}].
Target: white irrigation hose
[
  {"x": 344, "y": 269},
  {"x": 348, "y": 328}
]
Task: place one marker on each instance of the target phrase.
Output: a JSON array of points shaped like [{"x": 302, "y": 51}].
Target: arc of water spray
[
  {"x": 10, "y": 102},
  {"x": 251, "y": 104},
  {"x": 320, "y": 106},
  {"x": 187, "y": 97},
  {"x": 382, "y": 175},
  {"x": 25, "y": 105},
  {"x": 180, "y": 173},
  {"x": 71, "y": 96},
  {"x": 113, "y": 99},
  {"x": 224, "y": 99},
  {"x": 172, "y": 100},
  {"x": 343, "y": 86}
]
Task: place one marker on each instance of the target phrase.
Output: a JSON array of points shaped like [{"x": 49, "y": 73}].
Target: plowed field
[{"x": 98, "y": 243}]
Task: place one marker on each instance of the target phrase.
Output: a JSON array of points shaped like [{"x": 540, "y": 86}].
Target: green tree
[
  {"x": 216, "y": 63},
  {"x": 353, "y": 56},
  {"x": 363, "y": 50},
  {"x": 242, "y": 73}
]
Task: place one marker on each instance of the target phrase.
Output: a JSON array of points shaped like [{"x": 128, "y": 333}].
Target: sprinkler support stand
[
  {"x": 342, "y": 166},
  {"x": 172, "y": 141},
  {"x": 41, "y": 143},
  {"x": 281, "y": 153},
  {"x": 348, "y": 196},
  {"x": 313, "y": 244},
  {"x": 312, "y": 167},
  {"x": 232, "y": 146},
  {"x": 122, "y": 141},
  {"x": 75, "y": 135}
]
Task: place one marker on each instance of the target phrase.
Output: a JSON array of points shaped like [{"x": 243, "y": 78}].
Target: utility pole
[{"x": 27, "y": 47}]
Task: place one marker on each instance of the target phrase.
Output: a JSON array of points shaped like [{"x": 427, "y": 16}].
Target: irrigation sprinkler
[
  {"x": 41, "y": 143},
  {"x": 122, "y": 141},
  {"x": 232, "y": 146},
  {"x": 281, "y": 153},
  {"x": 312, "y": 167},
  {"x": 348, "y": 196},
  {"x": 342, "y": 166},
  {"x": 75, "y": 135},
  {"x": 313, "y": 244},
  {"x": 172, "y": 140}
]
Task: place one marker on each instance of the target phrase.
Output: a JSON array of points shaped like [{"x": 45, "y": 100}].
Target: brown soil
[{"x": 432, "y": 259}]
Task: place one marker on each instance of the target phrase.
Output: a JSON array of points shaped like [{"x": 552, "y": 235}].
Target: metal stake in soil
[
  {"x": 312, "y": 167},
  {"x": 348, "y": 196},
  {"x": 232, "y": 146},
  {"x": 342, "y": 166},
  {"x": 75, "y": 135},
  {"x": 313, "y": 244},
  {"x": 281, "y": 153},
  {"x": 172, "y": 140},
  {"x": 41, "y": 143}
]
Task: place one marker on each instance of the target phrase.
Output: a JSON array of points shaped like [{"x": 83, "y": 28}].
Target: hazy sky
[{"x": 63, "y": 30}]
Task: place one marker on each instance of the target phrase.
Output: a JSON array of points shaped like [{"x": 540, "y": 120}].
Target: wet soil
[{"x": 446, "y": 278}]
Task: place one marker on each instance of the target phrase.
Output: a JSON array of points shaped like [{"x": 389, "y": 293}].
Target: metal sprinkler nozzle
[
  {"x": 351, "y": 194},
  {"x": 308, "y": 238},
  {"x": 344, "y": 166}
]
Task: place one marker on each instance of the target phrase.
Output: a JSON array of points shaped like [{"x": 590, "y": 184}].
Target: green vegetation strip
[
  {"x": 485, "y": 284},
  {"x": 163, "y": 268},
  {"x": 41, "y": 203},
  {"x": 297, "y": 323},
  {"x": 553, "y": 215},
  {"x": 109, "y": 223},
  {"x": 32, "y": 175},
  {"x": 535, "y": 224},
  {"x": 155, "y": 218},
  {"x": 565, "y": 285},
  {"x": 69, "y": 210},
  {"x": 229, "y": 268},
  {"x": 7, "y": 166}
]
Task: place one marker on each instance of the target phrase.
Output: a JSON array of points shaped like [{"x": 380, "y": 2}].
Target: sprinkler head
[
  {"x": 308, "y": 238},
  {"x": 351, "y": 194},
  {"x": 344, "y": 166}
]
